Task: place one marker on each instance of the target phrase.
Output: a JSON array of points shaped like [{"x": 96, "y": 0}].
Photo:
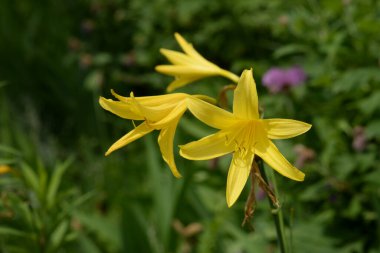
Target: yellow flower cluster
[{"x": 241, "y": 132}]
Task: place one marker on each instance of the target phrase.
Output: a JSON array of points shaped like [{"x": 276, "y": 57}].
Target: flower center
[{"x": 245, "y": 137}]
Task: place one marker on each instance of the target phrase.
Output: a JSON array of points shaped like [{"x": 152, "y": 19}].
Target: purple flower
[
  {"x": 296, "y": 76},
  {"x": 274, "y": 78},
  {"x": 277, "y": 79}
]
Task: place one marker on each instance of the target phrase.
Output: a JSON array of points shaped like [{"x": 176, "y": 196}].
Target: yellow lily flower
[
  {"x": 189, "y": 66},
  {"x": 245, "y": 135},
  {"x": 158, "y": 113},
  {"x": 5, "y": 169}
]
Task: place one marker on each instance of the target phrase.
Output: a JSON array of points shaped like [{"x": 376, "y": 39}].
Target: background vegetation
[{"x": 63, "y": 195}]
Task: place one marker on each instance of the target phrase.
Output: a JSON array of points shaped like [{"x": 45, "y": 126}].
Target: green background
[{"x": 63, "y": 195}]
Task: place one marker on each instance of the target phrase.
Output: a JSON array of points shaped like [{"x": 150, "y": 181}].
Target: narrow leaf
[{"x": 55, "y": 181}]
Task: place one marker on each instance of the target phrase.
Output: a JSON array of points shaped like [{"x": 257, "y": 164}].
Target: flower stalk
[
  {"x": 223, "y": 101},
  {"x": 276, "y": 210}
]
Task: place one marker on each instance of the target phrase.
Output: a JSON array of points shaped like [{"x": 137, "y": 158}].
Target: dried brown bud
[
  {"x": 359, "y": 142},
  {"x": 74, "y": 44},
  {"x": 85, "y": 60}
]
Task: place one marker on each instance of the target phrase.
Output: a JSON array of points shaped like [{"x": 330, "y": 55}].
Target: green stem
[{"x": 276, "y": 212}]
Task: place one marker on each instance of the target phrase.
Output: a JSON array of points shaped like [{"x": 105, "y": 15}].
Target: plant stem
[{"x": 276, "y": 211}]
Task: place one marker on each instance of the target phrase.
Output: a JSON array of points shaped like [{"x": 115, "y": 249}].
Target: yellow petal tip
[
  {"x": 297, "y": 175},
  {"x": 177, "y": 175},
  {"x": 230, "y": 201},
  {"x": 110, "y": 150},
  {"x": 250, "y": 71},
  {"x": 170, "y": 88},
  {"x": 173, "y": 169},
  {"x": 114, "y": 93},
  {"x": 300, "y": 176},
  {"x": 181, "y": 151},
  {"x": 177, "y": 35},
  {"x": 162, "y": 69}
]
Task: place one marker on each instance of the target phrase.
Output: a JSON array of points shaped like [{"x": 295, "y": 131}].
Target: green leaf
[
  {"x": 8, "y": 160},
  {"x": 94, "y": 80},
  {"x": 55, "y": 182},
  {"x": 87, "y": 245},
  {"x": 313, "y": 192},
  {"x": 344, "y": 165},
  {"x": 354, "y": 208},
  {"x": 58, "y": 235},
  {"x": 370, "y": 104},
  {"x": 3, "y": 83},
  {"x": 372, "y": 130},
  {"x": 289, "y": 50},
  {"x": 26, "y": 213},
  {"x": 30, "y": 176},
  {"x": 373, "y": 178},
  {"x": 42, "y": 180},
  {"x": 309, "y": 237},
  {"x": 357, "y": 79},
  {"x": 134, "y": 219},
  {"x": 9, "y": 150},
  {"x": 101, "y": 59},
  {"x": 162, "y": 190},
  {"x": 107, "y": 230},
  {"x": 195, "y": 129},
  {"x": 365, "y": 161},
  {"x": 6, "y": 231}
]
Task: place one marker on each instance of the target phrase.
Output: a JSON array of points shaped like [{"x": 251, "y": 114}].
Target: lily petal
[
  {"x": 245, "y": 103},
  {"x": 189, "y": 49},
  {"x": 165, "y": 140},
  {"x": 133, "y": 135},
  {"x": 180, "y": 70},
  {"x": 272, "y": 156},
  {"x": 156, "y": 113},
  {"x": 152, "y": 100},
  {"x": 171, "y": 116},
  {"x": 205, "y": 98},
  {"x": 123, "y": 110},
  {"x": 178, "y": 58},
  {"x": 285, "y": 128},
  {"x": 210, "y": 114},
  {"x": 181, "y": 81},
  {"x": 237, "y": 176},
  {"x": 209, "y": 147}
]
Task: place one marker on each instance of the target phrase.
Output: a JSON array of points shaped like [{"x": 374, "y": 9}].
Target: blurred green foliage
[{"x": 63, "y": 195}]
